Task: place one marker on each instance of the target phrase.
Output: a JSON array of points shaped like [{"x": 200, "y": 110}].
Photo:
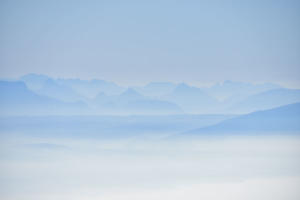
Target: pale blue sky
[{"x": 141, "y": 41}]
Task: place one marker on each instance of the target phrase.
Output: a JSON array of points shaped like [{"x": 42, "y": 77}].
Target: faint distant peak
[
  {"x": 230, "y": 83},
  {"x": 35, "y": 76},
  {"x": 186, "y": 87},
  {"x": 100, "y": 81},
  {"x": 183, "y": 86},
  {"x": 131, "y": 92},
  {"x": 50, "y": 82},
  {"x": 160, "y": 84}
]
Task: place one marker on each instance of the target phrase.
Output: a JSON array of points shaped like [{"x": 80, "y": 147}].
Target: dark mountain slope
[{"x": 281, "y": 119}]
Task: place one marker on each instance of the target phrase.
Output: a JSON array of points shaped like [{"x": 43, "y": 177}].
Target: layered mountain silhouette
[
  {"x": 90, "y": 88},
  {"x": 85, "y": 88},
  {"x": 156, "y": 89},
  {"x": 132, "y": 102},
  {"x": 53, "y": 89},
  {"x": 105, "y": 97},
  {"x": 34, "y": 81},
  {"x": 281, "y": 119},
  {"x": 232, "y": 91},
  {"x": 17, "y": 99},
  {"x": 192, "y": 99},
  {"x": 267, "y": 100}
]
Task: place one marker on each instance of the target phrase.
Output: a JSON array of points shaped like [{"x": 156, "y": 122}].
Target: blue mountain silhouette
[
  {"x": 267, "y": 100},
  {"x": 281, "y": 119},
  {"x": 17, "y": 99}
]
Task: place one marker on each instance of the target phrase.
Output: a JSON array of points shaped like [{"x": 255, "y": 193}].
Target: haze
[{"x": 132, "y": 43}]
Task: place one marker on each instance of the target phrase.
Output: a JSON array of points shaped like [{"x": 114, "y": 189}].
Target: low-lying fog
[{"x": 233, "y": 167}]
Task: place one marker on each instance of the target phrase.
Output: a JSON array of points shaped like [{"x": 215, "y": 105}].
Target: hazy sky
[{"x": 141, "y": 41}]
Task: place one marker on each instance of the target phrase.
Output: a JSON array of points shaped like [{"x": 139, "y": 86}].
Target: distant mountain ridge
[
  {"x": 267, "y": 100},
  {"x": 86, "y": 88},
  {"x": 156, "y": 89},
  {"x": 192, "y": 99},
  {"x": 34, "y": 81},
  {"x": 90, "y": 88},
  {"x": 17, "y": 99},
  {"x": 281, "y": 119},
  {"x": 236, "y": 91},
  {"x": 132, "y": 102},
  {"x": 104, "y": 97},
  {"x": 62, "y": 92}
]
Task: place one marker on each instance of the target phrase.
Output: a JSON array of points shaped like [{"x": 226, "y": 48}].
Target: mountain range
[
  {"x": 104, "y": 97},
  {"x": 192, "y": 99},
  {"x": 85, "y": 88},
  {"x": 17, "y": 99},
  {"x": 132, "y": 102}
]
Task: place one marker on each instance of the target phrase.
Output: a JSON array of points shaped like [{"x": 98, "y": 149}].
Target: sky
[{"x": 135, "y": 42}]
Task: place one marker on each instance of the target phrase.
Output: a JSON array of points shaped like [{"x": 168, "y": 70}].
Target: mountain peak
[
  {"x": 131, "y": 92},
  {"x": 183, "y": 86},
  {"x": 159, "y": 84},
  {"x": 35, "y": 77}
]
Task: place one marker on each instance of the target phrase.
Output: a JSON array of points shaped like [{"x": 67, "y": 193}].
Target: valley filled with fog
[
  {"x": 92, "y": 139},
  {"x": 149, "y": 100}
]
